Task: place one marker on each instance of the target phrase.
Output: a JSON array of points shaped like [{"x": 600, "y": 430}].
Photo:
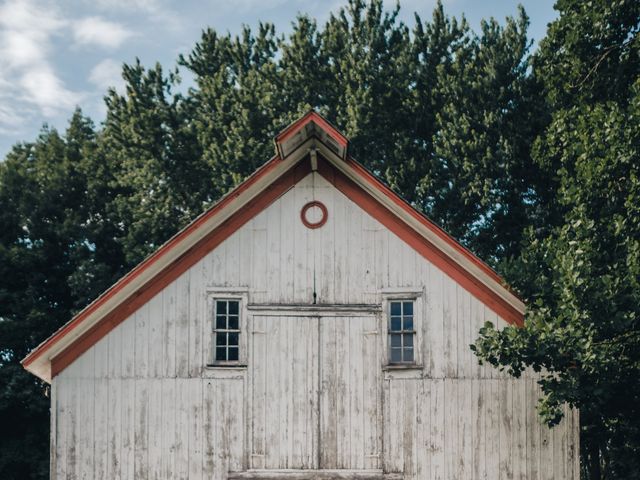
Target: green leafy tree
[
  {"x": 583, "y": 328},
  {"x": 369, "y": 62},
  {"x": 446, "y": 117},
  {"x": 591, "y": 52},
  {"x": 237, "y": 102},
  {"x": 50, "y": 236},
  {"x": 580, "y": 268},
  {"x": 482, "y": 185},
  {"x": 152, "y": 161}
]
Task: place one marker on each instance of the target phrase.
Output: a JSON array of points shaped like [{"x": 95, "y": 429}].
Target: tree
[
  {"x": 444, "y": 116},
  {"x": 49, "y": 236},
  {"x": 590, "y": 53},
  {"x": 580, "y": 267},
  {"x": 583, "y": 329},
  {"x": 236, "y": 103},
  {"x": 483, "y": 186},
  {"x": 369, "y": 52},
  {"x": 152, "y": 162}
]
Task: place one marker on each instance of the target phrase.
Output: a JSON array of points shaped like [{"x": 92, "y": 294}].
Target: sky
[{"x": 56, "y": 55}]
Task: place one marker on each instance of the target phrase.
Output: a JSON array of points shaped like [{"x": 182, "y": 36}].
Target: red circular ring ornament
[{"x": 319, "y": 223}]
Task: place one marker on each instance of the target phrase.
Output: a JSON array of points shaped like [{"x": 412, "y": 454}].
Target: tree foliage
[
  {"x": 580, "y": 268},
  {"x": 530, "y": 160},
  {"x": 55, "y": 256}
]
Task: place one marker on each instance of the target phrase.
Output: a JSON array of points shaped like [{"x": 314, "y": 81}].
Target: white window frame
[
  {"x": 241, "y": 296},
  {"x": 397, "y": 295}
]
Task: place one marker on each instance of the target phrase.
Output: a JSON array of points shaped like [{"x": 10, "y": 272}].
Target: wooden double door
[{"x": 315, "y": 391}]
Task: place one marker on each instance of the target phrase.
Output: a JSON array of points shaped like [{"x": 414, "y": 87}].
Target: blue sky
[{"x": 56, "y": 55}]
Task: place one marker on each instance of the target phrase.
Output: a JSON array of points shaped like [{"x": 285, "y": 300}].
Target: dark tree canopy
[
  {"x": 580, "y": 267},
  {"x": 530, "y": 160}
]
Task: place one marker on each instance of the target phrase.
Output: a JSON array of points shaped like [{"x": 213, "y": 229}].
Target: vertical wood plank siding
[{"x": 142, "y": 403}]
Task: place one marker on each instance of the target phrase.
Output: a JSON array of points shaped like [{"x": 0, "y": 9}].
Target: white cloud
[
  {"x": 99, "y": 32},
  {"x": 41, "y": 86},
  {"x": 157, "y": 11},
  {"x": 29, "y": 15},
  {"x": 10, "y": 119},
  {"x": 21, "y": 48},
  {"x": 256, "y": 5},
  {"x": 145, "y": 5},
  {"x": 107, "y": 74},
  {"x": 27, "y": 28}
]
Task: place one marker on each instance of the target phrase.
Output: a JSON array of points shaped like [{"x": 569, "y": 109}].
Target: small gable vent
[
  {"x": 311, "y": 125},
  {"x": 333, "y": 146}
]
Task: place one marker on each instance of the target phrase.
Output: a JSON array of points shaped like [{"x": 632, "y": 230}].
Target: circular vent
[{"x": 314, "y": 214}]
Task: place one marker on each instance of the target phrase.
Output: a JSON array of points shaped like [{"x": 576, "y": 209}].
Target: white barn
[{"x": 310, "y": 325}]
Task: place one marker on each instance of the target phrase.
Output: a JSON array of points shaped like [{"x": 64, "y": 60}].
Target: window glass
[
  {"x": 401, "y": 332},
  {"x": 396, "y": 324},
  {"x": 232, "y": 354},
  {"x": 407, "y": 355},
  {"x": 227, "y": 330},
  {"x": 396, "y": 355}
]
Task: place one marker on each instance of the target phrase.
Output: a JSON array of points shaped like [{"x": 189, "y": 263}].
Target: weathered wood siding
[{"x": 142, "y": 403}]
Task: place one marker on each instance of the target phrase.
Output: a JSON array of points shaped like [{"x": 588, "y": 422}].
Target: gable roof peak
[{"x": 311, "y": 125}]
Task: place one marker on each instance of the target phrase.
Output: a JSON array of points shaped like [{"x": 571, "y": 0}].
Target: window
[
  {"x": 401, "y": 332},
  {"x": 226, "y": 331}
]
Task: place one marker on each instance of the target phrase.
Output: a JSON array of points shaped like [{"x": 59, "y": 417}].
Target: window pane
[
  {"x": 396, "y": 355},
  {"x": 408, "y": 339},
  {"x": 221, "y": 307},
  {"x": 408, "y": 323},
  {"x": 401, "y": 342},
  {"x": 395, "y": 324},
  {"x": 233, "y": 353},
  {"x": 221, "y": 353},
  {"x": 233, "y": 308},
  {"x": 227, "y": 319},
  {"x": 408, "y": 354}
]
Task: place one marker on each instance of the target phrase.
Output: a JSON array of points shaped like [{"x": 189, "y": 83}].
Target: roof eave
[
  {"x": 318, "y": 134},
  {"x": 38, "y": 361}
]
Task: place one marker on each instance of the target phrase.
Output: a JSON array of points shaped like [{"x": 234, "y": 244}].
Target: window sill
[
  {"x": 237, "y": 371},
  {"x": 237, "y": 366},
  {"x": 401, "y": 371},
  {"x": 402, "y": 366}
]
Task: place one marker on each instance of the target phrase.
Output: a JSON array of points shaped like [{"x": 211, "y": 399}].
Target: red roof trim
[
  {"x": 180, "y": 265},
  {"x": 355, "y": 191},
  {"x": 375, "y": 182},
  {"x": 150, "y": 260},
  {"x": 432, "y": 253},
  {"x": 315, "y": 118}
]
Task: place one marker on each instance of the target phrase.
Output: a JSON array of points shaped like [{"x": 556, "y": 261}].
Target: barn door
[
  {"x": 314, "y": 392},
  {"x": 349, "y": 393},
  {"x": 283, "y": 368}
]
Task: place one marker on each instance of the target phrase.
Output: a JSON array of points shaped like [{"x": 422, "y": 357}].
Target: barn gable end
[
  {"x": 309, "y": 143},
  {"x": 352, "y": 317}
]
